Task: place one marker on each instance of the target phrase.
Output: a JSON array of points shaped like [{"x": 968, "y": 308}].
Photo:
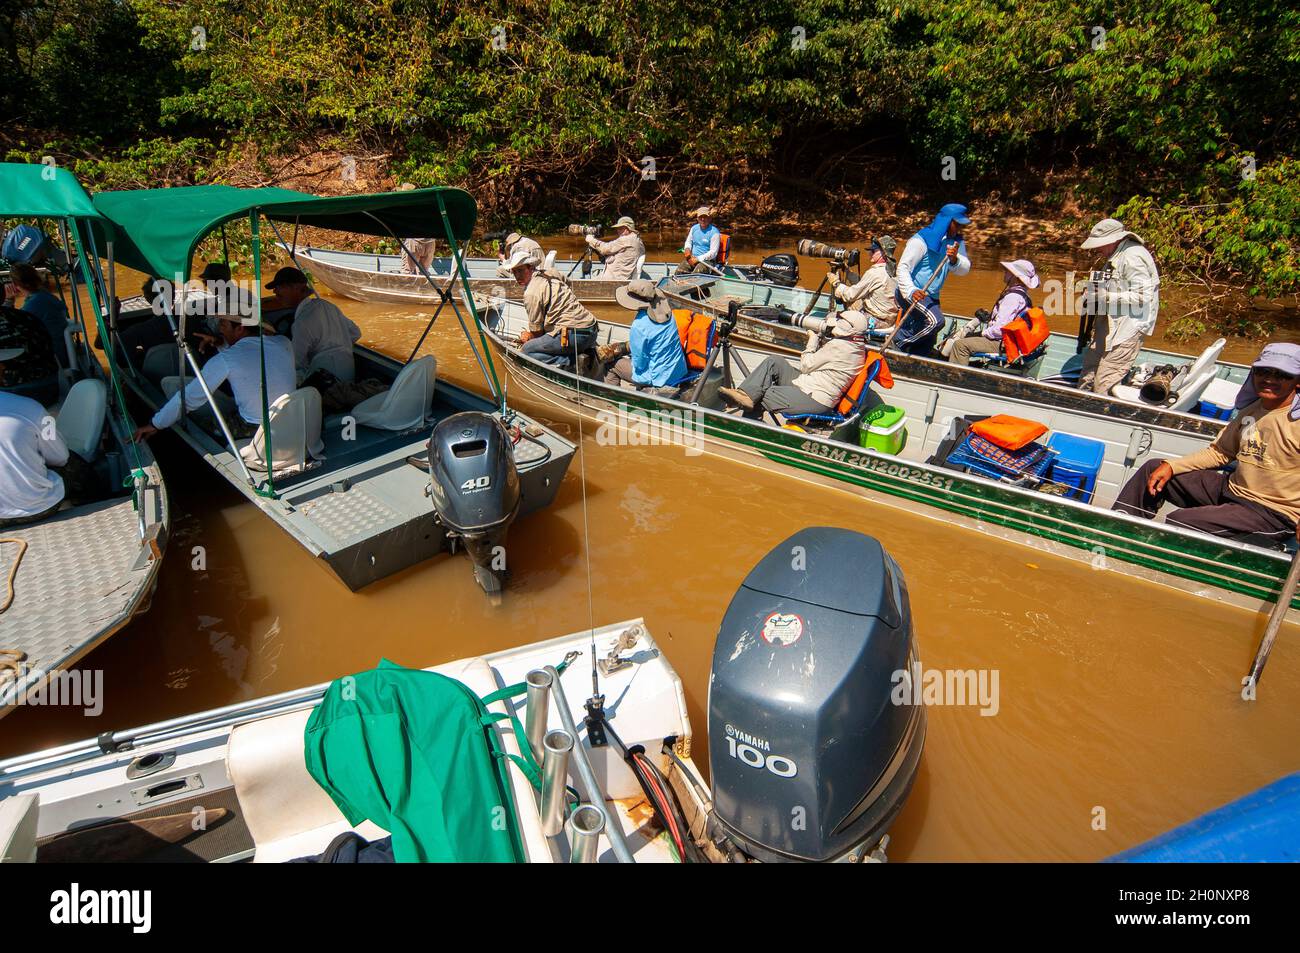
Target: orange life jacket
[
  {"x": 884, "y": 379},
  {"x": 693, "y": 329},
  {"x": 724, "y": 248},
  {"x": 1010, "y": 433},
  {"x": 1024, "y": 334}
]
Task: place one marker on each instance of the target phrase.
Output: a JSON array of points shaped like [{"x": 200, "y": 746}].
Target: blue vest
[{"x": 699, "y": 239}]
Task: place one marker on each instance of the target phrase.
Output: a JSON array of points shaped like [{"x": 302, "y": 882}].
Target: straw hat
[
  {"x": 702, "y": 210},
  {"x": 625, "y": 222}
]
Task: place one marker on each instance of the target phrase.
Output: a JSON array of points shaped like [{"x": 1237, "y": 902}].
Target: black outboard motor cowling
[
  {"x": 780, "y": 270},
  {"x": 474, "y": 485},
  {"x": 810, "y": 755}
]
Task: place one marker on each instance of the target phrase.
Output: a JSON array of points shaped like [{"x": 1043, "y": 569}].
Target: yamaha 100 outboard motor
[
  {"x": 474, "y": 485},
  {"x": 812, "y": 746}
]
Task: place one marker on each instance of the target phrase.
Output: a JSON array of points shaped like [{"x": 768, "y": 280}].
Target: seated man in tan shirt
[
  {"x": 622, "y": 254},
  {"x": 559, "y": 327},
  {"x": 1262, "y": 496}
]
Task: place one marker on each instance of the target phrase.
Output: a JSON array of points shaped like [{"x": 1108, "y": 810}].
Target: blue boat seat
[
  {"x": 999, "y": 362},
  {"x": 843, "y": 427}
]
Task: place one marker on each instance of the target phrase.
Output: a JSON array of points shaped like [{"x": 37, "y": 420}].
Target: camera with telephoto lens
[
  {"x": 841, "y": 256},
  {"x": 1097, "y": 282},
  {"x": 593, "y": 230},
  {"x": 496, "y": 236}
]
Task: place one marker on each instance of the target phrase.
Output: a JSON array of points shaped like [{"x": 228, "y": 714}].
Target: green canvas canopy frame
[
  {"x": 158, "y": 230},
  {"x": 48, "y": 192}
]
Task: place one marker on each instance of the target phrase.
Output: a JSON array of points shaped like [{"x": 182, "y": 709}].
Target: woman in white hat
[
  {"x": 1018, "y": 277},
  {"x": 1124, "y": 299},
  {"x": 622, "y": 254},
  {"x": 826, "y": 369},
  {"x": 702, "y": 243},
  {"x": 655, "y": 357}
]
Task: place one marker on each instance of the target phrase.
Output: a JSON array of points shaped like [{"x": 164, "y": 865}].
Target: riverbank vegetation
[{"x": 1179, "y": 114}]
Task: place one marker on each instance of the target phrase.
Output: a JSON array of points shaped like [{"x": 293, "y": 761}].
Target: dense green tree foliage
[{"x": 1185, "y": 109}]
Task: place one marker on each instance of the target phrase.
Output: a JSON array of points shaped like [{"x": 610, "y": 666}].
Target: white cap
[{"x": 520, "y": 258}]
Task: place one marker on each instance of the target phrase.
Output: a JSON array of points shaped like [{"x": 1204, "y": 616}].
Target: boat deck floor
[{"x": 75, "y": 584}]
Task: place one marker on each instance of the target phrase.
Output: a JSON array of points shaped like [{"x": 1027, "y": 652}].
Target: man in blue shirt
[
  {"x": 656, "y": 358},
  {"x": 703, "y": 242},
  {"x": 928, "y": 258}
]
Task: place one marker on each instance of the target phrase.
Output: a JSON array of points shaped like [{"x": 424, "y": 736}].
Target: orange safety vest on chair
[
  {"x": 693, "y": 329},
  {"x": 724, "y": 248},
  {"x": 884, "y": 379},
  {"x": 1024, "y": 334}
]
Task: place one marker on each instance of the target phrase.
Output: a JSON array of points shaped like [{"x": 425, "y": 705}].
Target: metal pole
[
  {"x": 585, "y": 826},
  {"x": 585, "y": 776},
  {"x": 555, "y": 777},
  {"x": 538, "y": 707}
]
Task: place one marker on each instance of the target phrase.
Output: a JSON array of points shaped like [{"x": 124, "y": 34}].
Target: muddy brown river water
[{"x": 1118, "y": 714}]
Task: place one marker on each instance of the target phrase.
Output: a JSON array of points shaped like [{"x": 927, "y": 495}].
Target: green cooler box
[{"x": 883, "y": 430}]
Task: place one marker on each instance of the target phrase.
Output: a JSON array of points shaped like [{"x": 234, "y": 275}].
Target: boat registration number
[{"x": 880, "y": 465}]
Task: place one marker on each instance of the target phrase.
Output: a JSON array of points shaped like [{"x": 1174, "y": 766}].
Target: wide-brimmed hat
[
  {"x": 1281, "y": 357},
  {"x": 522, "y": 257},
  {"x": 626, "y": 222},
  {"x": 1022, "y": 269},
  {"x": 702, "y": 210},
  {"x": 886, "y": 244},
  {"x": 11, "y": 353},
  {"x": 287, "y": 276},
  {"x": 641, "y": 293},
  {"x": 850, "y": 323},
  {"x": 1105, "y": 232}
]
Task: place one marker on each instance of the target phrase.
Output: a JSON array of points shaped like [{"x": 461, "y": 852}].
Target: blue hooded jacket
[{"x": 935, "y": 235}]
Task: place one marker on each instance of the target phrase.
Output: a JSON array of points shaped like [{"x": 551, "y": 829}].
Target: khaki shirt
[
  {"x": 1266, "y": 446},
  {"x": 873, "y": 293},
  {"x": 621, "y": 256},
  {"x": 827, "y": 370},
  {"x": 551, "y": 304}
]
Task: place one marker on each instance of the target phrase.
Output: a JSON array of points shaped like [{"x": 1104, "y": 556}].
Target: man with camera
[
  {"x": 560, "y": 329},
  {"x": 622, "y": 254},
  {"x": 1123, "y": 298},
  {"x": 829, "y": 363},
  {"x": 702, "y": 244},
  {"x": 873, "y": 293}
]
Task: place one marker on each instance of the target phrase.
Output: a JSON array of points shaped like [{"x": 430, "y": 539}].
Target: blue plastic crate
[{"x": 987, "y": 459}]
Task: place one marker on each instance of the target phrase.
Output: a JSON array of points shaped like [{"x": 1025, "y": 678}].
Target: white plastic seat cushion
[
  {"x": 18, "y": 816},
  {"x": 287, "y": 812},
  {"x": 81, "y": 418},
  {"x": 404, "y": 405},
  {"x": 549, "y": 261},
  {"x": 295, "y": 434}
]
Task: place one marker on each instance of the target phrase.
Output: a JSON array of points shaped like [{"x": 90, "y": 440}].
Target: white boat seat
[
  {"x": 18, "y": 815},
  {"x": 289, "y": 815},
  {"x": 549, "y": 261},
  {"x": 640, "y": 265},
  {"x": 295, "y": 434},
  {"x": 81, "y": 418},
  {"x": 404, "y": 405},
  {"x": 1199, "y": 375}
]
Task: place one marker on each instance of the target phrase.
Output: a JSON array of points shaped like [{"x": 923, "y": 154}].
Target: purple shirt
[{"x": 1010, "y": 305}]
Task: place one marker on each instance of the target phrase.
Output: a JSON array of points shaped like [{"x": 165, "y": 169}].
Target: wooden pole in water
[{"x": 1250, "y": 683}]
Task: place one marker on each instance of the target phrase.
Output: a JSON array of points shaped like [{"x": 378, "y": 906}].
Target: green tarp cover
[
  {"x": 157, "y": 230},
  {"x": 413, "y": 752},
  {"x": 28, "y": 190}
]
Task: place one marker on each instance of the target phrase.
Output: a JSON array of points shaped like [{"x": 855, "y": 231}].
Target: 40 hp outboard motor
[
  {"x": 474, "y": 485},
  {"x": 810, "y": 755}
]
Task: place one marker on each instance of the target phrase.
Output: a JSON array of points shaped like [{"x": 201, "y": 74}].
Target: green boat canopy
[
  {"x": 157, "y": 230},
  {"x": 28, "y": 190}
]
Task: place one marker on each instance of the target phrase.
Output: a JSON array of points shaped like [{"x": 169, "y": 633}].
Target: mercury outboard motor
[
  {"x": 474, "y": 485},
  {"x": 813, "y": 747},
  {"x": 780, "y": 270}
]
